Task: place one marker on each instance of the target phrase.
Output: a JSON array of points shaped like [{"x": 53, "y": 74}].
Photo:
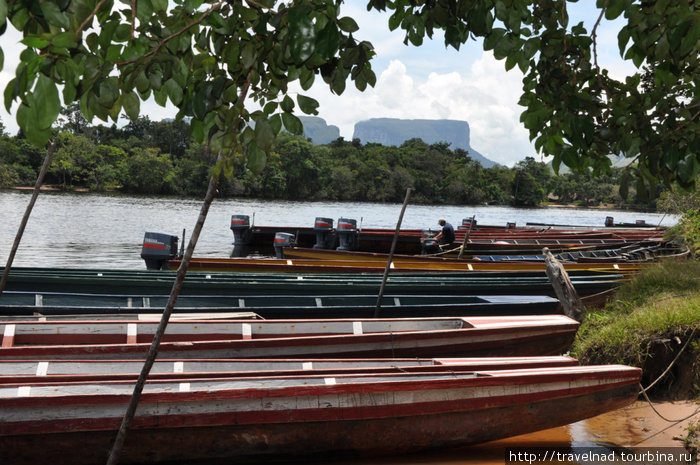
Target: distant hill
[
  {"x": 318, "y": 130},
  {"x": 393, "y": 131},
  {"x": 618, "y": 161}
]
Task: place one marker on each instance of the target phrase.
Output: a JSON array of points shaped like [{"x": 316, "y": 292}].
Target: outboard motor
[
  {"x": 283, "y": 240},
  {"x": 158, "y": 249},
  {"x": 242, "y": 235},
  {"x": 325, "y": 238},
  {"x": 430, "y": 246},
  {"x": 609, "y": 221},
  {"x": 467, "y": 222},
  {"x": 347, "y": 234}
]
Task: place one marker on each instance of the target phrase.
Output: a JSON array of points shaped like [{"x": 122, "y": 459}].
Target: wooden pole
[
  {"x": 564, "y": 290},
  {"x": 466, "y": 238},
  {"x": 27, "y": 213},
  {"x": 118, "y": 444},
  {"x": 391, "y": 254}
]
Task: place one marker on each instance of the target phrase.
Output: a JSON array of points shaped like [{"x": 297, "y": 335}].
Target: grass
[
  {"x": 647, "y": 323},
  {"x": 692, "y": 439}
]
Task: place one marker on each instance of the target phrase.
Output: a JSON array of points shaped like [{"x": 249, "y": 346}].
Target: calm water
[{"x": 102, "y": 231}]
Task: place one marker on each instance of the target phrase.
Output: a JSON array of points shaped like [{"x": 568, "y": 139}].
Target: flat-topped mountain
[{"x": 394, "y": 131}]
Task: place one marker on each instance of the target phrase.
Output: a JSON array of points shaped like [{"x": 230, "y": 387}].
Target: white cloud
[{"x": 486, "y": 97}]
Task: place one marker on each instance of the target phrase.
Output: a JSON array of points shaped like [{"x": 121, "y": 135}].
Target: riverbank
[{"x": 653, "y": 322}]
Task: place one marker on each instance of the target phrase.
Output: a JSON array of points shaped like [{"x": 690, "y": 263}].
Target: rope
[
  {"x": 697, "y": 410},
  {"x": 442, "y": 252},
  {"x": 643, "y": 390}
]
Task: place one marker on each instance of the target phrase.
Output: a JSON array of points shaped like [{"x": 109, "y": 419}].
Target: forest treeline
[{"x": 147, "y": 157}]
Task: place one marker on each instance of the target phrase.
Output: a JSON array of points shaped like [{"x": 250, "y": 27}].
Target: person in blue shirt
[{"x": 447, "y": 235}]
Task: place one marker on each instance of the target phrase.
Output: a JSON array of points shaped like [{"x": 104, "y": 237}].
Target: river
[{"x": 106, "y": 231}]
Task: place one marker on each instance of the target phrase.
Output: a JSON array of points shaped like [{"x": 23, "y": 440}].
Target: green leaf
[
  {"x": 276, "y": 123},
  {"x": 614, "y": 9},
  {"x": 45, "y": 102},
  {"x": 35, "y": 42},
  {"x": 160, "y": 5},
  {"x": 2, "y": 59},
  {"x": 256, "y": 158},
  {"x": 26, "y": 118},
  {"x": 131, "y": 104},
  {"x": 54, "y": 15},
  {"x": 144, "y": 10},
  {"x": 174, "y": 91},
  {"x": 65, "y": 40},
  {"x": 292, "y": 124},
  {"x": 3, "y": 11},
  {"x": 248, "y": 55},
  {"x": 264, "y": 134},
  {"x": 287, "y": 104},
  {"x": 302, "y": 40},
  {"x": 327, "y": 41},
  {"x": 690, "y": 40},
  {"x": 307, "y": 104},
  {"x": 348, "y": 24}
]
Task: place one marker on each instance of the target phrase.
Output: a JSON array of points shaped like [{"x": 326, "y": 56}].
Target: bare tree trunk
[
  {"x": 27, "y": 213},
  {"x": 564, "y": 290}
]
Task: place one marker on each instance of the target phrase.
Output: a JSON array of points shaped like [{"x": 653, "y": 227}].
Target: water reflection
[{"x": 634, "y": 426}]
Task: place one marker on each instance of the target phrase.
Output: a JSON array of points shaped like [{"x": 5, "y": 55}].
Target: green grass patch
[{"x": 646, "y": 324}]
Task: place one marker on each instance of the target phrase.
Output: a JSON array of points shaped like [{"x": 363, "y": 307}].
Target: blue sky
[{"x": 426, "y": 82}]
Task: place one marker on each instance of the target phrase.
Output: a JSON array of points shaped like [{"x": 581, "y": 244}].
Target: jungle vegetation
[{"x": 147, "y": 157}]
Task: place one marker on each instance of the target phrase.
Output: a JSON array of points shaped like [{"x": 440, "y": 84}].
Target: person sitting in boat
[{"x": 447, "y": 235}]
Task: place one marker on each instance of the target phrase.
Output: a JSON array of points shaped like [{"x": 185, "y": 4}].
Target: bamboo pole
[
  {"x": 466, "y": 237},
  {"x": 118, "y": 444},
  {"x": 391, "y": 254},
  {"x": 27, "y": 213}
]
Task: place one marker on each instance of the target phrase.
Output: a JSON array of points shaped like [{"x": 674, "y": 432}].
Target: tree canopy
[{"x": 227, "y": 65}]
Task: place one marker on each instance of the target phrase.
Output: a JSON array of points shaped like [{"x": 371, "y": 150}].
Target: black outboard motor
[
  {"x": 347, "y": 234},
  {"x": 325, "y": 237},
  {"x": 242, "y": 235},
  {"x": 283, "y": 240},
  {"x": 609, "y": 221},
  {"x": 430, "y": 246},
  {"x": 158, "y": 249}
]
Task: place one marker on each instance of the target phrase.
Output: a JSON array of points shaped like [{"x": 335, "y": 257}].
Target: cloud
[{"x": 485, "y": 96}]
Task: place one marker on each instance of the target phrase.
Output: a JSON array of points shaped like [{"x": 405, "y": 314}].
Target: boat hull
[
  {"x": 353, "y": 420},
  {"x": 358, "y": 338}
]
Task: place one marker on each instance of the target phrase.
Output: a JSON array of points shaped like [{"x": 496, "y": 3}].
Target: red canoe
[
  {"x": 354, "y": 338},
  {"x": 321, "y": 416}
]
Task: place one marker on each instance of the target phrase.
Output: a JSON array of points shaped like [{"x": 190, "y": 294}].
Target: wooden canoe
[
  {"x": 261, "y": 238},
  {"x": 360, "y": 265},
  {"x": 17, "y": 303},
  {"x": 339, "y": 338},
  {"x": 35, "y": 372},
  {"x": 283, "y": 417},
  {"x": 129, "y": 282}
]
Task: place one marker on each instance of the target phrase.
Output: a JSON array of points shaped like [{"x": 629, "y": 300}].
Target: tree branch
[
  {"x": 594, "y": 36},
  {"x": 167, "y": 39},
  {"x": 89, "y": 18},
  {"x": 133, "y": 18}
]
